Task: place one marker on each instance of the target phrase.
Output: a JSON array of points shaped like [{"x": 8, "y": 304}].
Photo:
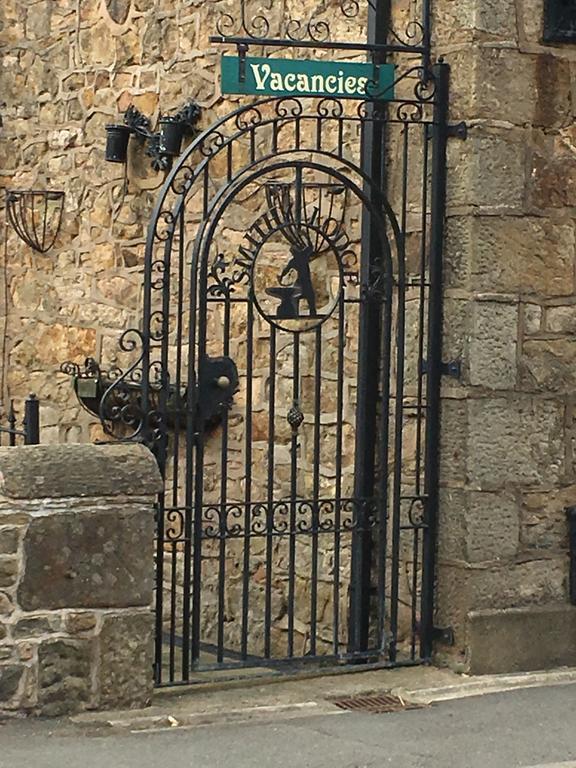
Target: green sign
[{"x": 306, "y": 77}]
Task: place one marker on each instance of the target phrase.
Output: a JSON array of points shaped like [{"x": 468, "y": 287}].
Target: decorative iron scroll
[
  {"x": 281, "y": 518},
  {"x": 115, "y": 395},
  {"x": 252, "y": 24}
]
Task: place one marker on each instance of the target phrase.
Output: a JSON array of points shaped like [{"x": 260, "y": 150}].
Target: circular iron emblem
[
  {"x": 297, "y": 281},
  {"x": 295, "y": 256}
]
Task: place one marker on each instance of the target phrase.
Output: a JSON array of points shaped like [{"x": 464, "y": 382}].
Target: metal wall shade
[
  {"x": 171, "y": 135},
  {"x": 117, "y": 137}
]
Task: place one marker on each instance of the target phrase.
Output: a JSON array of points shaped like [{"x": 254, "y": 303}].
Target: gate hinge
[
  {"x": 454, "y": 131},
  {"x": 458, "y": 131},
  {"x": 444, "y": 635},
  {"x": 452, "y": 368}
]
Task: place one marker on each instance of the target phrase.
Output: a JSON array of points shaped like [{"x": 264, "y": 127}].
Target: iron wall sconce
[
  {"x": 95, "y": 390},
  {"x": 36, "y": 216},
  {"x": 162, "y": 145}
]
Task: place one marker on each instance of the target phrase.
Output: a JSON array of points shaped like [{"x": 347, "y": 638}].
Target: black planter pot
[
  {"x": 117, "y": 137},
  {"x": 171, "y": 135}
]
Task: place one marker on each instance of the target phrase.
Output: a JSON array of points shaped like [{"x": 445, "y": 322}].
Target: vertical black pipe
[
  {"x": 427, "y": 34},
  {"x": 368, "y": 362},
  {"x": 441, "y": 75},
  {"x": 32, "y": 421},
  {"x": 12, "y": 425}
]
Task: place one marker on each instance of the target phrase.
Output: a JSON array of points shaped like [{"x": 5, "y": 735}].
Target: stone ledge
[
  {"x": 521, "y": 639},
  {"x": 56, "y": 471}
]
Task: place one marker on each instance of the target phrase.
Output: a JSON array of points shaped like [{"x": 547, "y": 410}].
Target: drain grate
[{"x": 378, "y": 704}]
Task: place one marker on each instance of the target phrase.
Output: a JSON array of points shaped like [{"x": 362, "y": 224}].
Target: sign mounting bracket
[{"x": 242, "y": 51}]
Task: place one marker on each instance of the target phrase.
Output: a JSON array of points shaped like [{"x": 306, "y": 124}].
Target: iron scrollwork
[
  {"x": 305, "y": 220},
  {"x": 281, "y": 518},
  {"x": 316, "y": 30},
  {"x": 115, "y": 396},
  {"x": 162, "y": 145}
]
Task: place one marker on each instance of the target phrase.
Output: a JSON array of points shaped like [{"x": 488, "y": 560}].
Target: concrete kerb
[
  {"x": 488, "y": 684},
  {"x": 207, "y": 705}
]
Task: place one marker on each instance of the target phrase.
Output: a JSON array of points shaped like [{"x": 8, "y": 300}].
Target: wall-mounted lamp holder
[
  {"x": 116, "y": 397},
  {"x": 162, "y": 145}
]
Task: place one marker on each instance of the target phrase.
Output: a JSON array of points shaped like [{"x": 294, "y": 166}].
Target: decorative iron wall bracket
[
  {"x": 106, "y": 394},
  {"x": 249, "y": 26},
  {"x": 162, "y": 145}
]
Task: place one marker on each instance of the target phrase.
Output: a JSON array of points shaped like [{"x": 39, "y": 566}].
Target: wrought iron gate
[{"x": 290, "y": 365}]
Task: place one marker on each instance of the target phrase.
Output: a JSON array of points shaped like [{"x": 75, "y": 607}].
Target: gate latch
[{"x": 217, "y": 384}]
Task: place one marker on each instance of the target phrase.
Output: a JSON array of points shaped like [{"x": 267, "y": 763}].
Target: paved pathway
[{"x": 533, "y": 727}]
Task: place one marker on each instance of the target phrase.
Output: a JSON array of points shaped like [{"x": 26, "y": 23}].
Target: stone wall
[
  {"x": 76, "y": 578},
  {"x": 508, "y": 466},
  {"x": 68, "y": 69},
  {"x": 508, "y": 425},
  {"x": 72, "y": 69}
]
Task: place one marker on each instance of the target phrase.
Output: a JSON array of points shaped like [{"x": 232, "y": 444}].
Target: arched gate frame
[{"x": 289, "y": 365}]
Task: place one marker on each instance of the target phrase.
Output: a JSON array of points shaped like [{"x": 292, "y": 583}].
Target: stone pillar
[
  {"x": 76, "y": 577},
  {"x": 508, "y": 465}
]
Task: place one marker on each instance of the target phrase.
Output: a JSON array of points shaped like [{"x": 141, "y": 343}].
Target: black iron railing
[{"x": 27, "y": 432}]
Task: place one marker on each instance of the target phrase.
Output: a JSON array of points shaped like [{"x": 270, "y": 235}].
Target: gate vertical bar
[
  {"x": 368, "y": 365},
  {"x": 441, "y": 74}
]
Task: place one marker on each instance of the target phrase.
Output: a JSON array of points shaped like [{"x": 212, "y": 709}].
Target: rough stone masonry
[
  {"x": 508, "y": 465},
  {"x": 76, "y": 577}
]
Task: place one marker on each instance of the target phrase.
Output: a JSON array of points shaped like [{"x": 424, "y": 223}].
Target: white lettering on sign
[
  {"x": 261, "y": 73},
  {"x": 301, "y": 83}
]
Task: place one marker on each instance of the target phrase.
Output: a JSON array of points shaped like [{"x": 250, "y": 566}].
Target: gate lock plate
[{"x": 217, "y": 385}]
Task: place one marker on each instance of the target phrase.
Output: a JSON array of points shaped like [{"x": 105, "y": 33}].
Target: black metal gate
[{"x": 290, "y": 364}]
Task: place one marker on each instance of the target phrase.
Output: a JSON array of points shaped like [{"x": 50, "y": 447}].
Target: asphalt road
[{"x": 534, "y": 727}]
